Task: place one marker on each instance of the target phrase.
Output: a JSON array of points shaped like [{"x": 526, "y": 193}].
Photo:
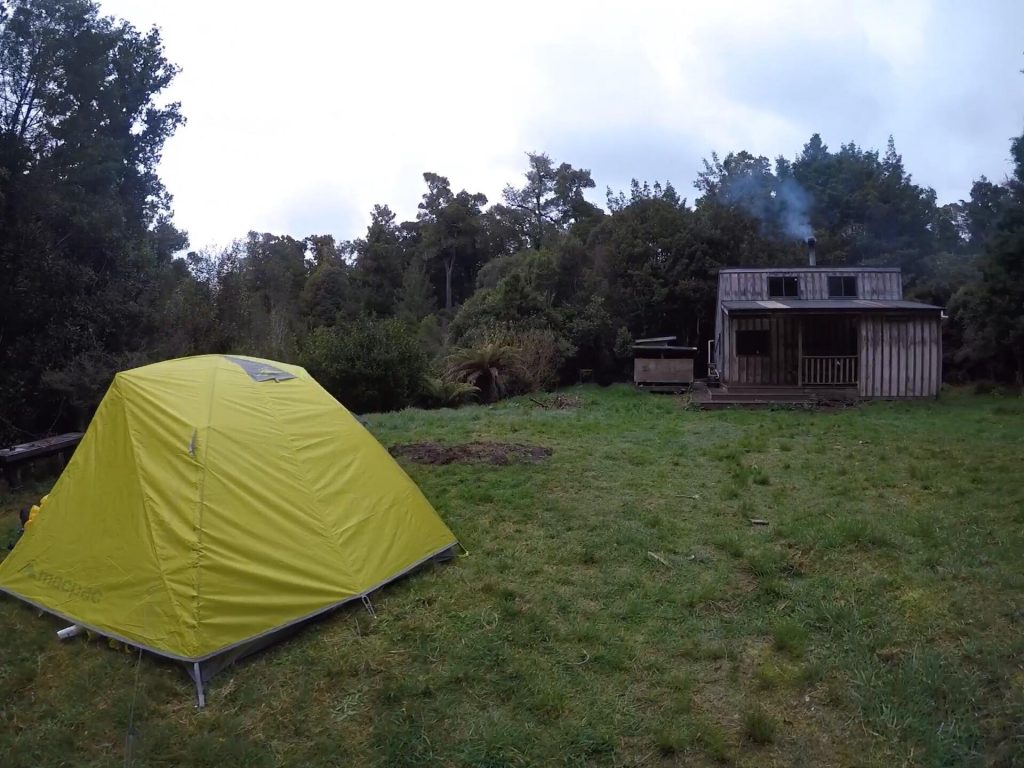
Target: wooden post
[
  {"x": 800, "y": 352},
  {"x": 12, "y": 475}
]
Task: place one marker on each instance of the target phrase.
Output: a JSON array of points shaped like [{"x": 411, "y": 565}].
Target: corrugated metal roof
[
  {"x": 827, "y": 268},
  {"x": 829, "y": 305},
  {"x": 662, "y": 347}
]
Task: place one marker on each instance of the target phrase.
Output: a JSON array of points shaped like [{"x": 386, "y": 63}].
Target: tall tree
[
  {"x": 643, "y": 191},
  {"x": 740, "y": 178},
  {"x": 322, "y": 249},
  {"x": 451, "y": 230},
  {"x": 993, "y": 308},
  {"x": 657, "y": 273},
  {"x": 275, "y": 270},
  {"x": 330, "y": 291},
  {"x": 536, "y": 198},
  {"x": 984, "y": 210},
  {"x": 416, "y": 296},
  {"x": 748, "y": 214},
  {"x": 505, "y": 230},
  {"x": 866, "y": 209},
  {"x": 85, "y": 232},
  {"x": 552, "y": 197},
  {"x": 381, "y": 259},
  {"x": 863, "y": 208}
]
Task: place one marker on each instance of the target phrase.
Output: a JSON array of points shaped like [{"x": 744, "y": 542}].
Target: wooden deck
[
  {"x": 764, "y": 396},
  {"x": 14, "y": 457}
]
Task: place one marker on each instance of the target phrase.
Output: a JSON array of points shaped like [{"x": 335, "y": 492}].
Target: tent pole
[{"x": 197, "y": 676}]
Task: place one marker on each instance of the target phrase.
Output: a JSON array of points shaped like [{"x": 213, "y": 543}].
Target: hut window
[
  {"x": 844, "y": 287},
  {"x": 783, "y": 287},
  {"x": 753, "y": 343}
]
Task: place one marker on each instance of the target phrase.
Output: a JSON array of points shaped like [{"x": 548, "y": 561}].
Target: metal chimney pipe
[{"x": 811, "y": 259}]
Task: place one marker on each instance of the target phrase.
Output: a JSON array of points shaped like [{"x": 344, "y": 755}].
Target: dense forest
[{"x": 470, "y": 299}]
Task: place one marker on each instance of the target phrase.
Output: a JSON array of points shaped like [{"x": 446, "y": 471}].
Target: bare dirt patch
[{"x": 498, "y": 454}]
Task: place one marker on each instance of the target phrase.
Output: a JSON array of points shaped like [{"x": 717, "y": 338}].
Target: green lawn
[{"x": 618, "y": 607}]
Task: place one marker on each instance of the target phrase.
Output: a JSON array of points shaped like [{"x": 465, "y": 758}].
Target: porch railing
[{"x": 820, "y": 370}]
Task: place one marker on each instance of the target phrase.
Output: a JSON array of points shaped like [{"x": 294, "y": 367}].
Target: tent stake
[
  {"x": 369, "y": 607},
  {"x": 200, "y": 696}
]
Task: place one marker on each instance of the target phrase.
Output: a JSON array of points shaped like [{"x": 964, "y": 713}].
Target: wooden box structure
[{"x": 661, "y": 366}]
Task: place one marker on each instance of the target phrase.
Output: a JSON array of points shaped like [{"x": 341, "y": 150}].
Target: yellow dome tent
[{"x": 214, "y": 502}]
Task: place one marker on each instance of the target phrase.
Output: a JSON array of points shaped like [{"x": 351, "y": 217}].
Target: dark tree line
[
  {"x": 86, "y": 240},
  {"x": 92, "y": 280}
]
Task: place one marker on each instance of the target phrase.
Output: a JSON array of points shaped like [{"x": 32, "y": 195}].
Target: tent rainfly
[{"x": 214, "y": 503}]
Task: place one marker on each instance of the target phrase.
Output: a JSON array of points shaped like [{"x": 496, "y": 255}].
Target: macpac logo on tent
[{"x": 70, "y": 586}]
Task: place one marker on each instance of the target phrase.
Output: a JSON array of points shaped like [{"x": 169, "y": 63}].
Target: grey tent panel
[{"x": 260, "y": 371}]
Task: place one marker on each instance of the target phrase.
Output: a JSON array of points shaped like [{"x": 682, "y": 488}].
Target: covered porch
[
  {"x": 816, "y": 349},
  {"x": 794, "y": 351}
]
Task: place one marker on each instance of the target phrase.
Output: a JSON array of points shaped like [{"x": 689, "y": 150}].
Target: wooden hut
[{"x": 845, "y": 331}]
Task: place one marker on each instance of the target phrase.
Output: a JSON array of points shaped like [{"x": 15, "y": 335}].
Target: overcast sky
[{"x": 304, "y": 113}]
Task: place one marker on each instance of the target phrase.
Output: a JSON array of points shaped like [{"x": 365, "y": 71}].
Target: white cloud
[{"x": 305, "y": 114}]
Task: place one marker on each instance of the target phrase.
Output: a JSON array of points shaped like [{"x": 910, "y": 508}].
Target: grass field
[{"x": 618, "y": 607}]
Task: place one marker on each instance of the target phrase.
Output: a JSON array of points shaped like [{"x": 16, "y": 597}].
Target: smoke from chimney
[{"x": 811, "y": 258}]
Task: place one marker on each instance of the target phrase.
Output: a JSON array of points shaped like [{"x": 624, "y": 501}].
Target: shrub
[
  {"x": 623, "y": 347},
  {"x": 83, "y": 379},
  {"x": 511, "y": 302},
  {"x": 488, "y": 367},
  {"x": 791, "y": 637},
  {"x": 368, "y": 364},
  {"x": 446, "y": 392},
  {"x": 759, "y": 726},
  {"x": 429, "y": 336},
  {"x": 539, "y": 354},
  {"x": 591, "y": 335}
]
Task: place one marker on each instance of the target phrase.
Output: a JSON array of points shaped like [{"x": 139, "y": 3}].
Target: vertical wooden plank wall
[
  {"x": 721, "y": 322},
  {"x": 726, "y": 351},
  {"x": 900, "y": 356},
  {"x": 752, "y": 284},
  {"x": 779, "y": 367}
]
